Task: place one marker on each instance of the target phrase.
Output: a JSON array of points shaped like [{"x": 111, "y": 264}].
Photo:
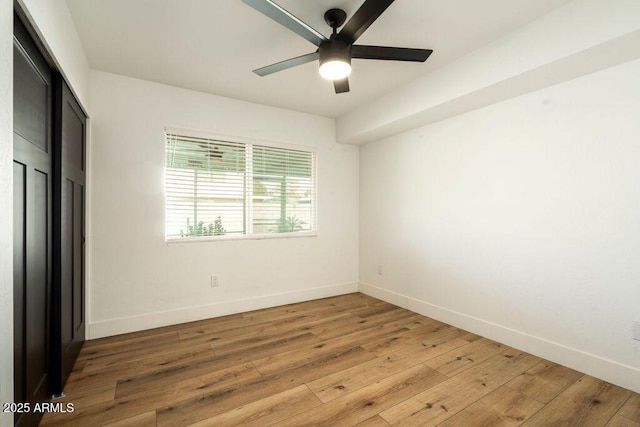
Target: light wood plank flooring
[{"x": 341, "y": 361}]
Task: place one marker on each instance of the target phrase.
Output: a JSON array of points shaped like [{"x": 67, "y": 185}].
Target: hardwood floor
[{"x": 341, "y": 361}]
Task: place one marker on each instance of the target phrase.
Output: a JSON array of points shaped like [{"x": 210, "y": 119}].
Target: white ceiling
[{"x": 212, "y": 45}]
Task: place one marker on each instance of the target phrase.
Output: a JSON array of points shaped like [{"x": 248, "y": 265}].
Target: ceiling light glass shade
[{"x": 335, "y": 69}]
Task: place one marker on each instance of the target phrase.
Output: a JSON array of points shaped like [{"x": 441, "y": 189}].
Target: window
[{"x": 217, "y": 188}]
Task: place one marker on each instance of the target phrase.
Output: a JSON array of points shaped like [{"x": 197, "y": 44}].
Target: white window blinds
[{"x": 222, "y": 188}]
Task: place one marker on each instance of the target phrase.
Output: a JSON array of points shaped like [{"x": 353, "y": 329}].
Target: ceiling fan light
[
  {"x": 335, "y": 69},
  {"x": 335, "y": 59}
]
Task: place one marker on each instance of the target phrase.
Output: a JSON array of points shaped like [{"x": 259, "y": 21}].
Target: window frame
[{"x": 249, "y": 143}]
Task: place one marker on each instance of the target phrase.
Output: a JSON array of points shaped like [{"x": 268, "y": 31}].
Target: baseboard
[
  {"x": 605, "y": 369},
  {"x": 189, "y": 314}
]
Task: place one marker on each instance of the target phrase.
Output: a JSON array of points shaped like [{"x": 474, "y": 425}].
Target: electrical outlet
[
  {"x": 214, "y": 281},
  {"x": 379, "y": 269},
  {"x": 636, "y": 330}
]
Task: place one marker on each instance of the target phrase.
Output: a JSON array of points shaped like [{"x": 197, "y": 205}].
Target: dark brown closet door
[
  {"x": 32, "y": 144},
  {"x": 69, "y": 191}
]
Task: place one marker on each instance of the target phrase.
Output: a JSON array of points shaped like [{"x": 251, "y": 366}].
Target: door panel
[
  {"x": 37, "y": 289},
  {"x": 78, "y": 256},
  {"x": 73, "y": 130},
  {"x": 32, "y": 108},
  {"x": 33, "y": 166},
  {"x": 72, "y": 181},
  {"x": 67, "y": 263}
]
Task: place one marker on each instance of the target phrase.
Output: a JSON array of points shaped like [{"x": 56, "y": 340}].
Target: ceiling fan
[{"x": 336, "y": 52}]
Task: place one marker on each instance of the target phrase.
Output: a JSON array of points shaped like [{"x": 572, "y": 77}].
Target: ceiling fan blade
[
  {"x": 342, "y": 85},
  {"x": 363, "y": 18},
  {"x": 287, "y": 63},
  {"x": 281, "y": 16},
  {"x": 390, "y": 53}
]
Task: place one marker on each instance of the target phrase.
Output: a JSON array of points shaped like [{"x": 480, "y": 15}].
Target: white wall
[
  {"x": 137, "y": 281},
  {"x": 518, "y": 221},
  {"x": 6, "y": 208}
]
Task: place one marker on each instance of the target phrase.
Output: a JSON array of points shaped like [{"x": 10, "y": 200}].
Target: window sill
[{"x": 295, "y": 235}]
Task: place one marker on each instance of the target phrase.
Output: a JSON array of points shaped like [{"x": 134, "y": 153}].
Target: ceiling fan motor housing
[{"x": 335, "y": 49}]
